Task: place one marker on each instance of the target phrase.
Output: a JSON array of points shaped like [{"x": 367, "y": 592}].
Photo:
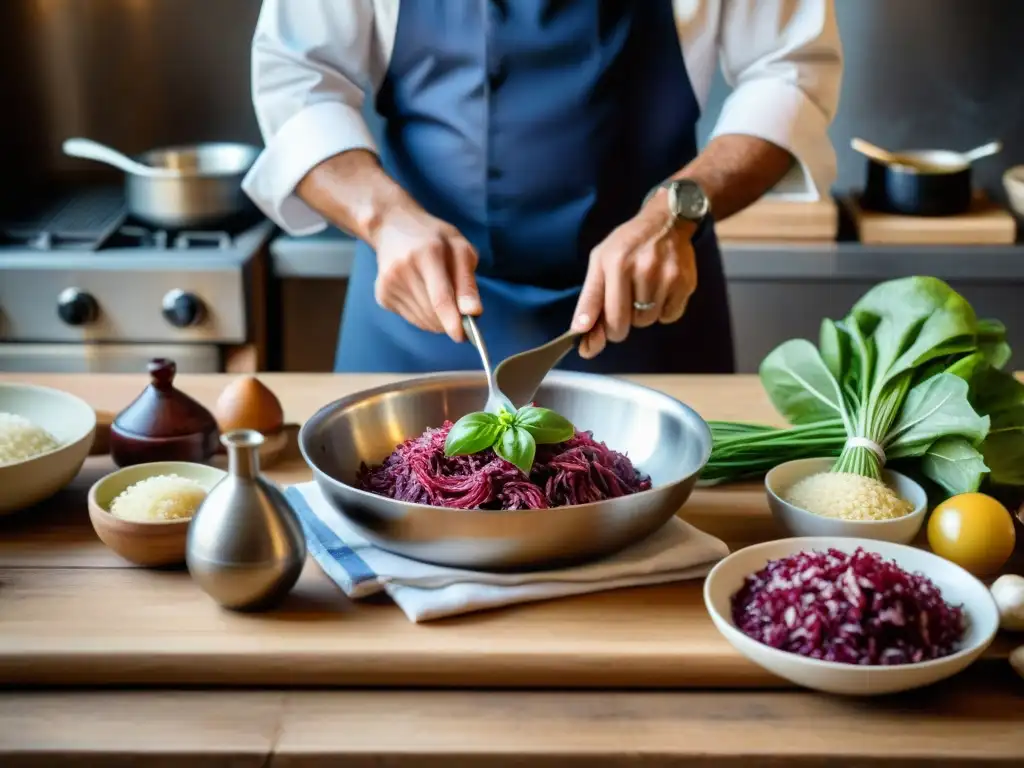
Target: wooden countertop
[{"x": 46, "y": 561}]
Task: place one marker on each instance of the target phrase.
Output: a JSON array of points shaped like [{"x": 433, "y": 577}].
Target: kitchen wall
[
  {"x": 141, "y": 73},
  {"x": 926, "y": 73},
  {"x": 135, "y": 74}
]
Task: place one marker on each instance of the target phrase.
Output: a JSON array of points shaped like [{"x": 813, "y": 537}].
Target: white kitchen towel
[{"x": 676, "y": 552}]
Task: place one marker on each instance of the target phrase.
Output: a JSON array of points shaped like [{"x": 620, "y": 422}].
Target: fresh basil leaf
[
  {"x": 546, "y": 426},
  {"x": 517, "y": 446},
  {"x": 936, "y": 408},
  {"x": 473, "y": 433},
  {"x": 800, "y": 385},
  {"x": 955, "y": 465}
]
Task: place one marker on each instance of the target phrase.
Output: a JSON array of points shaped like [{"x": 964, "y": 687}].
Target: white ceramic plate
[{"x": 956, "y": 584}]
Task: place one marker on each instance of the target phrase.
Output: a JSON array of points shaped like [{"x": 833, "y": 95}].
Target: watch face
[{"x": 689, "y": 201}]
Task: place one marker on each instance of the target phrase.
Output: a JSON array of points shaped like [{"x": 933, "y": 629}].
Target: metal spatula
[
  {"x": 520, "y": 375},
  {"x": 497, "y": 401},
  {"x": 516, "y": 379}
]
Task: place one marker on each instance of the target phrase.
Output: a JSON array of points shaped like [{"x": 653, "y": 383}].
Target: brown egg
[{"x": 246, "y": 403}]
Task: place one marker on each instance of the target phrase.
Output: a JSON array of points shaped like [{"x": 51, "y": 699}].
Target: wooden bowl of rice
[
  {"x": 45, "y": 437},
  {"x": 142, "y": 512}
]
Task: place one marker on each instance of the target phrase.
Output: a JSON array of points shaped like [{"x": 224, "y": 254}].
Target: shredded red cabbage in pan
[
  {"x": 850, "y": 608},
  {"x": 578, "y": 471}
]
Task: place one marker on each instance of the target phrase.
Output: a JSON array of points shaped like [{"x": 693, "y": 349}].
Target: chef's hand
[
  {"x": 425, "y": 272},
  {"x": 648, "y": 259}
]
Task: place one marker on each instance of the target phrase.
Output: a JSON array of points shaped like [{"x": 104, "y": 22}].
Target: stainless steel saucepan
[
  {"x": 664, "y": 438},
  {"x": 179, "y": 187}
]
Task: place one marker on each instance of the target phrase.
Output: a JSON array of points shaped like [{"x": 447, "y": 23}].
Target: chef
[{"x": 539, "y": 165}]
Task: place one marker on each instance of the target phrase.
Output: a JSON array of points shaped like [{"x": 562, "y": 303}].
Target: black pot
[{"x": 942, "y": 188}]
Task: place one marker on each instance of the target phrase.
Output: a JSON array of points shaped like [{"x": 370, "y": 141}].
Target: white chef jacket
[{"x": 314, "y": 62}]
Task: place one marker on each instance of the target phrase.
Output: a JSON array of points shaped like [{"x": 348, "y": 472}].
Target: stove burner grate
[
  {"x": 79, "y": 222},
  {"x": 141, "y": 236},
  {"x": 96, "y": 220}
]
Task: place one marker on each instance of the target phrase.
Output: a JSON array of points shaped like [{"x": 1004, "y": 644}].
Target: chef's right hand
[{"x": 425, "y": 272}]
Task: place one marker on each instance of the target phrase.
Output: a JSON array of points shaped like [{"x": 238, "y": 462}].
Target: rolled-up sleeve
[
  {"x": 784, "y": 60},
  {"x": 311, "y": 67}
]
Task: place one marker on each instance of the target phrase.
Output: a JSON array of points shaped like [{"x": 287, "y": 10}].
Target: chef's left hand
[{"x": 648, "y": 259}]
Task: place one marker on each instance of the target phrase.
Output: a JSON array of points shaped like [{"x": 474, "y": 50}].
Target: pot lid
[{"x": 162, "y": 410}]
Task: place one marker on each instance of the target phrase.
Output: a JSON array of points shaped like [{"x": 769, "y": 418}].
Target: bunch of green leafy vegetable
[
  {"x": 513, "y": 436},
  {"x": 911, "y": 369}
]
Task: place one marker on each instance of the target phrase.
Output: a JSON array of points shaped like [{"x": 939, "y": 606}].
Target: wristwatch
[{"x": 686, "y": 201}]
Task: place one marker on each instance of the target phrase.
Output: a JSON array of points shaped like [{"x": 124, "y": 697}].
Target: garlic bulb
[{"x": 1008, "y": 592}]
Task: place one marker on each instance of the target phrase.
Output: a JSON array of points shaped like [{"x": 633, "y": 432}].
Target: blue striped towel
[{"x": 675, "y": 553}]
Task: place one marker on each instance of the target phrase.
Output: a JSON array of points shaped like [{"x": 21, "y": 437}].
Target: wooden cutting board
[
  {"x": 985, "y": 224},
  {"x": 780, "y": 221},
  {"x": 73, "y": 613}
]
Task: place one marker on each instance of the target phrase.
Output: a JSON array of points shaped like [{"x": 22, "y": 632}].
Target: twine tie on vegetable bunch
[{"x": 871, "y": 445}]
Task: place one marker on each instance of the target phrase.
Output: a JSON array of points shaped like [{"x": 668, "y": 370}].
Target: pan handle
[
  {"x": 93, "y": 150},
  {"x": 866, "y": 148},
  {"x": 983, "y": 151}
]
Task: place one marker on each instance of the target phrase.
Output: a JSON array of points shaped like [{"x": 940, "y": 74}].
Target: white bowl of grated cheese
[
  {"x": 45, "y": 437},
  {"x": 858, "y": 511}
]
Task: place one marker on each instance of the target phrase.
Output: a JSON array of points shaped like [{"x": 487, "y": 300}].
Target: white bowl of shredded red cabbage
[
  {"x": 631, "y": 462},
  {"x": 851, "y": 616}
]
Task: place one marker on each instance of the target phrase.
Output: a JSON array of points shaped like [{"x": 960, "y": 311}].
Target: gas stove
[{"x": 77, "y": 270}]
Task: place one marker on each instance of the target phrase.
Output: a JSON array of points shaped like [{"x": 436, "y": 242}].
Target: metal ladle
[
  {"x": 886, "y": 157},
  {"x": 88, "y": 149},
  {"x": 515, "y": 380}
]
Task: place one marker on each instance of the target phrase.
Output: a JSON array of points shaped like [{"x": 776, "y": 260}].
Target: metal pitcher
[{"x": 245, "y": 545}]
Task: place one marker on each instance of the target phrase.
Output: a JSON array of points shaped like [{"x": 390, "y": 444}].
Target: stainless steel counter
[
  {"x": 780, "y": 291},
  {"x": 325, "y": 256},
  {"x": 330, "y": 255}
]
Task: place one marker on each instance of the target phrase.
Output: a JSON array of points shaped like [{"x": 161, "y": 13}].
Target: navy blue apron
[{"x": 536, "y": 127}]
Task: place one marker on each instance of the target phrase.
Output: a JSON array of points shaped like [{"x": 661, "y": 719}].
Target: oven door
[{"x": 107, "y": 358}]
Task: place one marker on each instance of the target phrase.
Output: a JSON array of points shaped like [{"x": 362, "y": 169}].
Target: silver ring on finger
[{"x": 644, "y": 306}]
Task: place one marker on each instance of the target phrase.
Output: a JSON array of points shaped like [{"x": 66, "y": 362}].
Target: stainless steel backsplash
[
  {"x": 135, "y": 74},
  {"x": 141, "y": 73}
]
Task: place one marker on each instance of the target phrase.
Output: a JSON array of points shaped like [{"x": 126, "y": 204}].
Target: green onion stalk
[{"x": 746, "y": 451}]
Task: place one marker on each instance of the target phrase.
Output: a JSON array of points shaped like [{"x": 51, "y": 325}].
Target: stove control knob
[
  {"x": 183, "y": 310},
  {"x": 76, "y": 307}
]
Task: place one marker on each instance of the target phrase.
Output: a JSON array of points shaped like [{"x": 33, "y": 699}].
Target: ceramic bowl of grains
[
  {"x": 45, "y": 437},
  {"x": 806, "y": 499},
  {"x": 142, "y": 512}
]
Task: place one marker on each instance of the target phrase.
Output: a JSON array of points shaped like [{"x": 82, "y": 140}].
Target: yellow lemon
[{"x": 974, "y": 531}]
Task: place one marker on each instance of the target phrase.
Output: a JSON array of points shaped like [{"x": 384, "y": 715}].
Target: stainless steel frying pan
[{"x": 179, "y": 187}]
